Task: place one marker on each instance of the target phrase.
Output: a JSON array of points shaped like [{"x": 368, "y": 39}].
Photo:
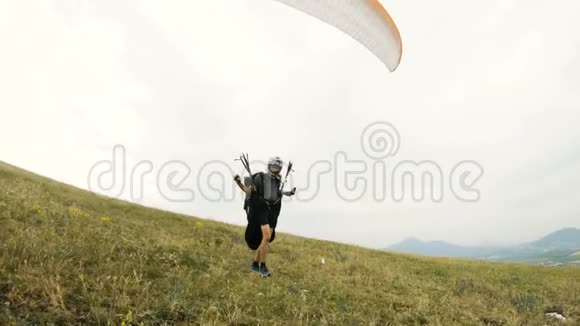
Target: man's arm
[
  {"x": 290, "y": 193},
  {"x": 246, "y": 189}
]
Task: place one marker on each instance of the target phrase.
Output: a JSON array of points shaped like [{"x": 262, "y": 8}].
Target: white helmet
[{"x": 275, "y": 161}]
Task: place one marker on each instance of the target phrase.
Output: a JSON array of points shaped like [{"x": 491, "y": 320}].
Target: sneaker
[
  {"x": 264, "y": 271},
  {"x": 255, "y": 268}
]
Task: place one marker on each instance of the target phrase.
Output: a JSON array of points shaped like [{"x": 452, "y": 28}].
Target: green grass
[{"x": 71, "y": 257}]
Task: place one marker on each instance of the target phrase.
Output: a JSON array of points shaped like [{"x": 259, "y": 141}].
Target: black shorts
[
  {"x": 264, "y": 215},
  {"x": 259, "y": 215}
]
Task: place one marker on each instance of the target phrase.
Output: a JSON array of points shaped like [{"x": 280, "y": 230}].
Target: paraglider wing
[{"x": 366, "y": 21}]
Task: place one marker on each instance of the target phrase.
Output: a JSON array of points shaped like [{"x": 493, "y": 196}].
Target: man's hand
[
  {"x": 290, "y": 193},
  {"x": 237, "y": 178}
]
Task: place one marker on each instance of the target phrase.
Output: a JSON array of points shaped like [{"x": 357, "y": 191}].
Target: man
[{"x": 263, "y": 204}]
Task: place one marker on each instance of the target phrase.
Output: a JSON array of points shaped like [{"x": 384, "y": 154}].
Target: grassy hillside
[{"x": 70, "y": 257}]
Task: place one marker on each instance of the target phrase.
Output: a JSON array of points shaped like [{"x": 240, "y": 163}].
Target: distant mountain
[
  {"x": 554, "y": 248},
  {"x": 568, "y": 238},
  {"x": 436, "y": 248}
]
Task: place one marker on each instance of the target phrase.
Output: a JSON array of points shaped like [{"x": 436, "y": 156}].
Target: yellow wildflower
[
  {"x": 36, "y": 208},
  {"x": 77, "y": 212}
]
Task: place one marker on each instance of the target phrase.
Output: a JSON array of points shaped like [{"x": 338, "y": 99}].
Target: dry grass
[{"x": 70, "y": 257}]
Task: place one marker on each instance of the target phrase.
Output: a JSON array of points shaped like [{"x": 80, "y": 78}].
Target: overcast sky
[{"x": 496, "y": 82}]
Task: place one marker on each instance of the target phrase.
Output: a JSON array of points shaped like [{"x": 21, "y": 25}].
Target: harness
[{"x": 259, "y": 193}]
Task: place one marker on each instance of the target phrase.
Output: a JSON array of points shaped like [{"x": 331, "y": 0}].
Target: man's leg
[
  {"x": 263, "y": 250},
  {"x": 258, "y": 258},
  {"x": 262, "y": 231}
]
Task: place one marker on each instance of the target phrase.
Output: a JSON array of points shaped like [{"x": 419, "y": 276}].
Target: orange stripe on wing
[{"x": 375, "y": 4}]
